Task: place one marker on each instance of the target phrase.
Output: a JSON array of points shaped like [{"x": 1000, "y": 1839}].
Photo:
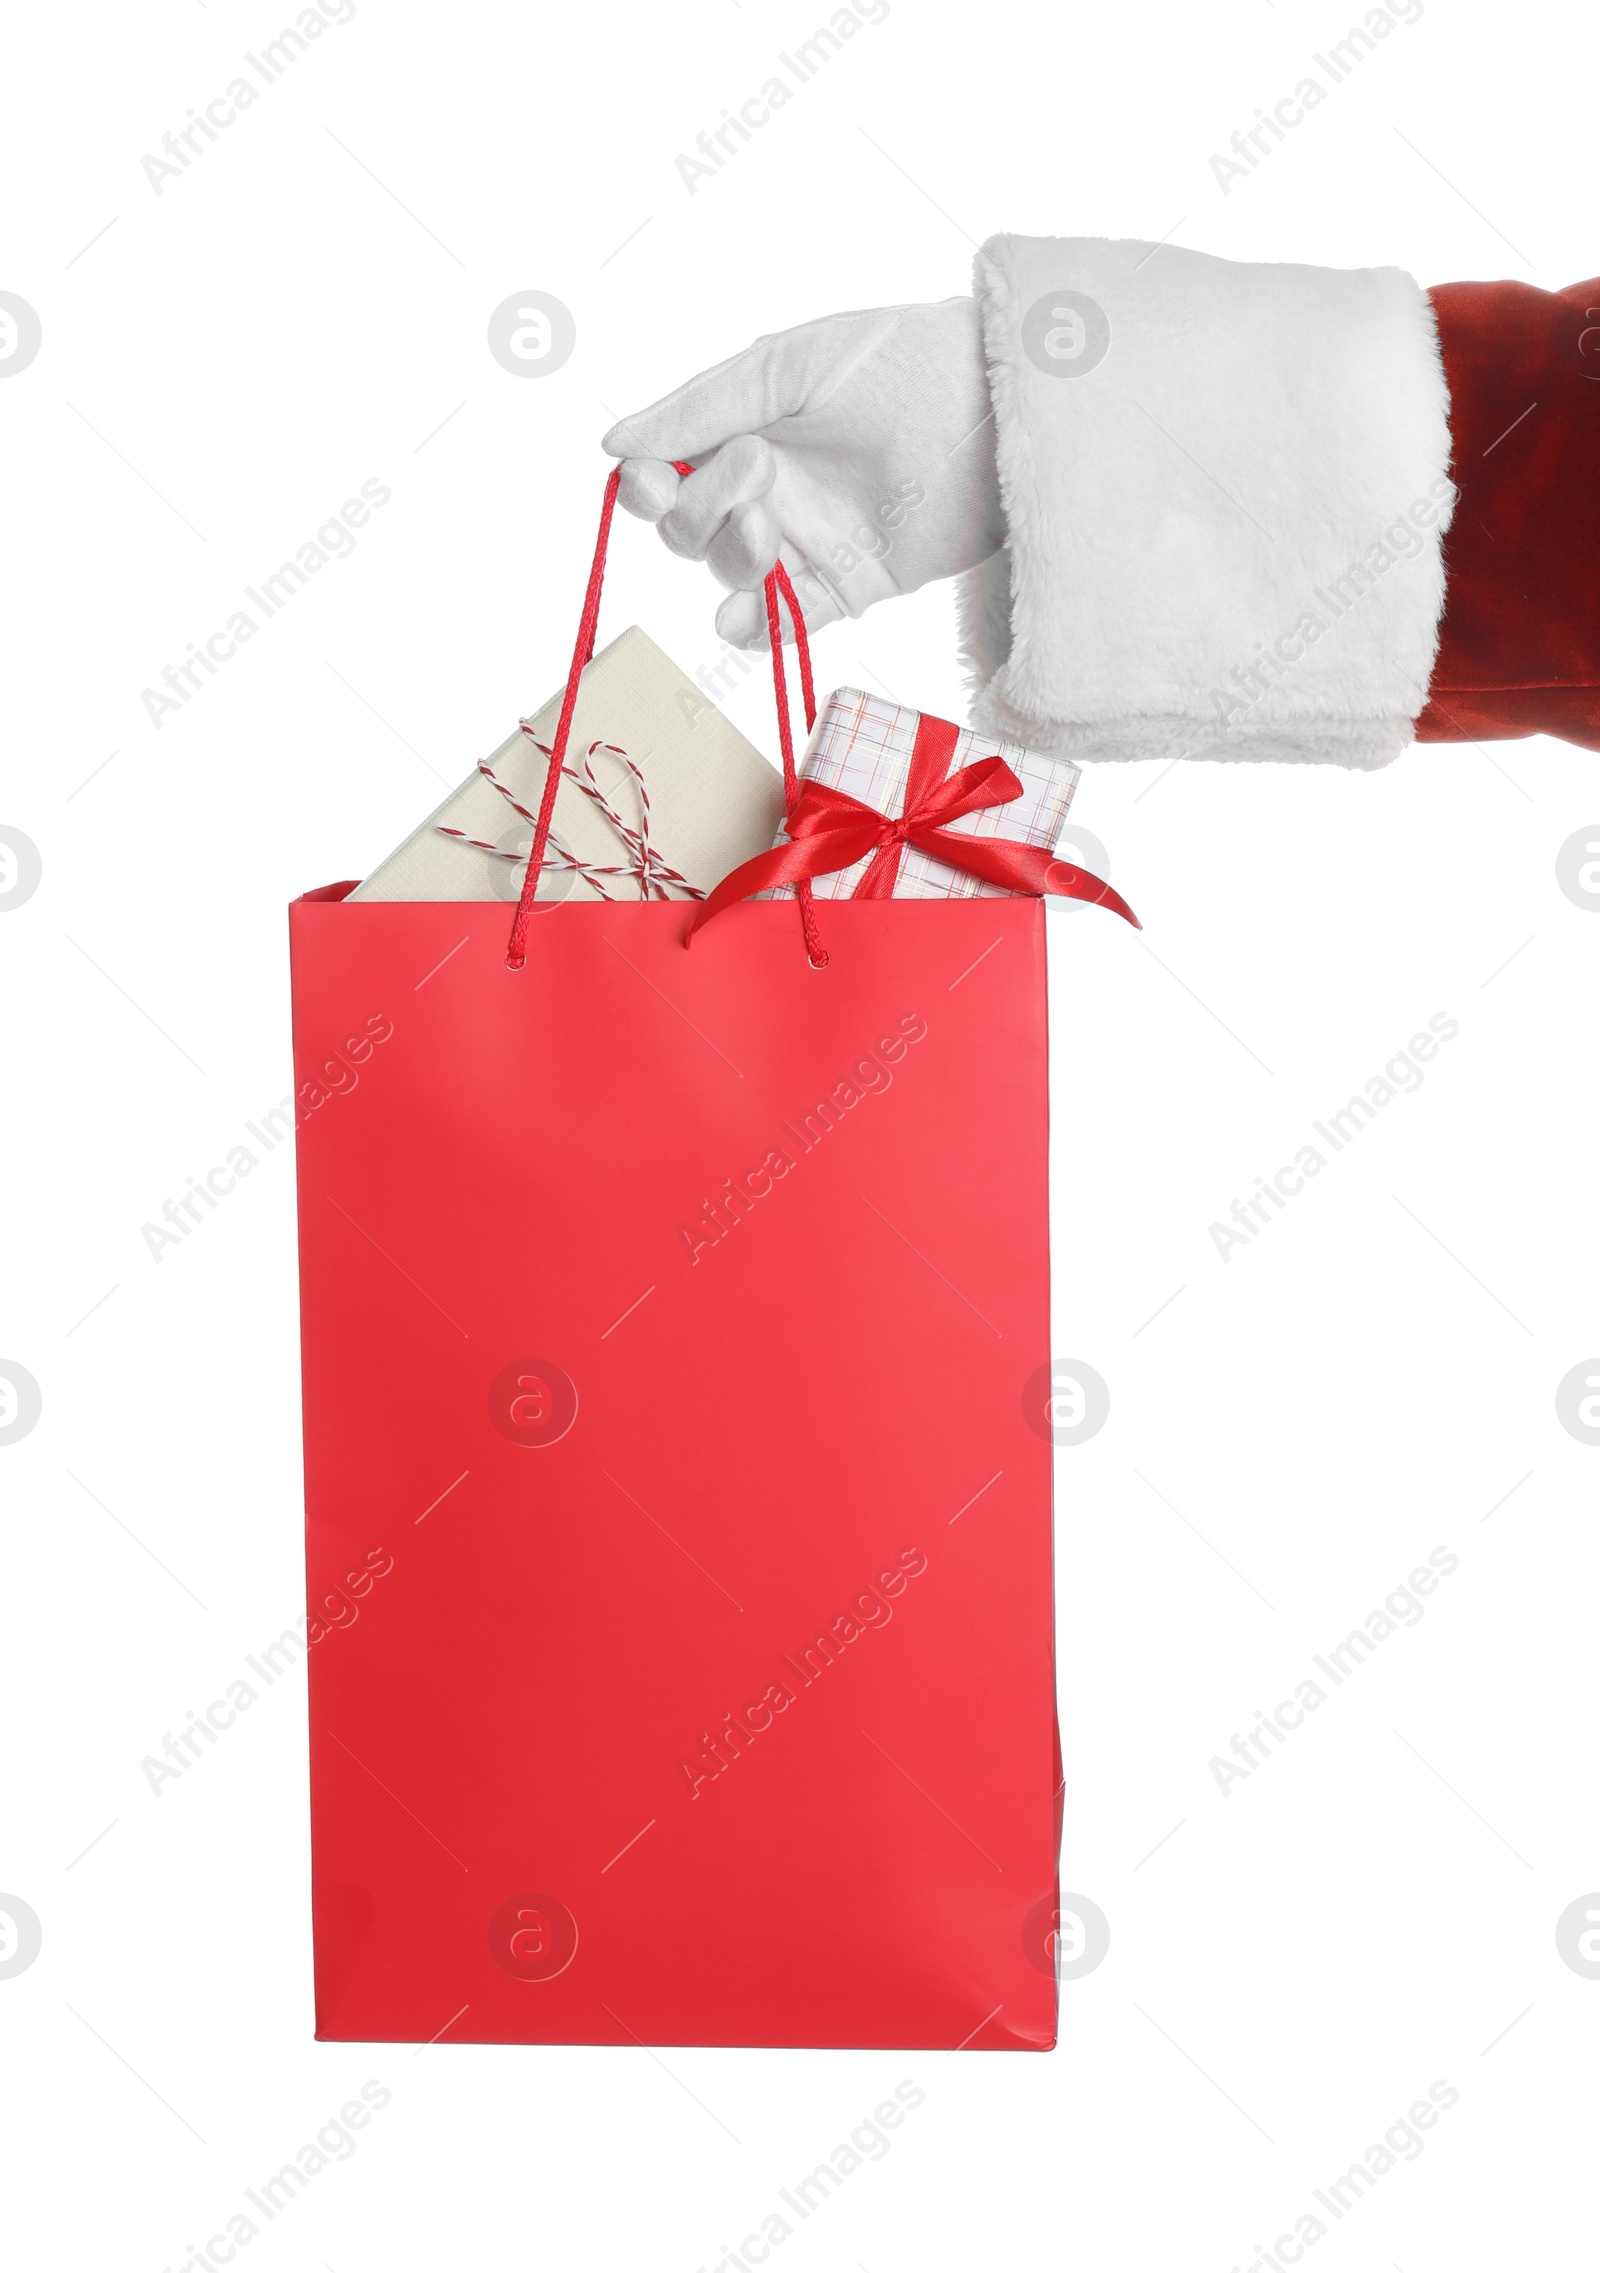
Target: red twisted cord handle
[{"x": 777, "y": 582}]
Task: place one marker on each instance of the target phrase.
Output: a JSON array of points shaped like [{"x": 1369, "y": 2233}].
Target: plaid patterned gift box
[{"x": 862, "y": 744}]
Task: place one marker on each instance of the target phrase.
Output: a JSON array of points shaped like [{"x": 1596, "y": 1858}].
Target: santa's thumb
[{"x": 776, "y": 377}]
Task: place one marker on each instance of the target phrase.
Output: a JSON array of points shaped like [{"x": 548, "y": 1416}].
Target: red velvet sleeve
[{"x": 1519, "y": 645}]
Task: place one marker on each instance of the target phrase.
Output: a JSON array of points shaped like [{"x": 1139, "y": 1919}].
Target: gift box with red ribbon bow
[
  {"x": 901, "y": 762},
  {"x": 894, "y": 804}
]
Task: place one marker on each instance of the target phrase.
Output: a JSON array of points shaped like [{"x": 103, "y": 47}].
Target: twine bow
[{"x": 652, "y": 872}]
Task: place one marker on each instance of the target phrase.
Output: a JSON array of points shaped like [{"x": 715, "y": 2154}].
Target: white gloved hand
[{"x": 859, "y": 449}]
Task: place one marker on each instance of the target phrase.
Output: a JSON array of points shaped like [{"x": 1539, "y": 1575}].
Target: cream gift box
[
  {"x": 714, "y": 799},
  {"x": 862, "y": 744}
]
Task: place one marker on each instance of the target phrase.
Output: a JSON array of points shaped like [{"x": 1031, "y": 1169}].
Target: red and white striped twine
[{"x": 652, "y": 873}]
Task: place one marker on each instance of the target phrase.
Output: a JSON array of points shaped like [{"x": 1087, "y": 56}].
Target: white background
[{"x": 1291, "y": 1965}]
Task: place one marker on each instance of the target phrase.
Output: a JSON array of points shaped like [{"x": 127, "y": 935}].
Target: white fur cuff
[{"x": 1225, "y": 487}]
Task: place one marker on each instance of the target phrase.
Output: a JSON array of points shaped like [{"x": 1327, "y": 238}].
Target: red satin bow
[{"x": 829, "y": 830}]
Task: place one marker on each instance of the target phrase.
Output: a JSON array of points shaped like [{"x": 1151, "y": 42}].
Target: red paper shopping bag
[
  {"x": 676, "y": 1357},
  {"x": 674, "y": 1326}
]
